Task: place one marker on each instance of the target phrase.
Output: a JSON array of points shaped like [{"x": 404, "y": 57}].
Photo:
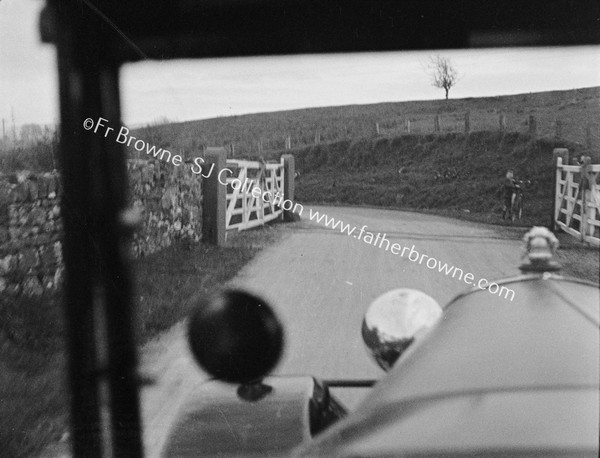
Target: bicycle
[{"x": 516, "y": 207}]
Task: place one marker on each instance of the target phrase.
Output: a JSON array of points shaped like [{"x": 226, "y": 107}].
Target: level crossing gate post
[
  {"x": 288, "y": 184},
  {"x": 559, "y": 156},
  {"x": 214, "y": 197}
]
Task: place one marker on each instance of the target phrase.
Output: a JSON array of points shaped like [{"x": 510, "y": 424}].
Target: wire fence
[
  {"x": 585, "y": 134},
  {"x": 39, "y": 152},
  {"x": 566, "y": 129}
]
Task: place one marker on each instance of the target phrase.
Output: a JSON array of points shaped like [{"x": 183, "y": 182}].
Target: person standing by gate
[{"x": 508, "y": 188}]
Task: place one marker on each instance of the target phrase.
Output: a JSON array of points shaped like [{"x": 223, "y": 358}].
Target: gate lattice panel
[
  {"x": 578, "y": 212},
  {"x": 246, "y": 207}
]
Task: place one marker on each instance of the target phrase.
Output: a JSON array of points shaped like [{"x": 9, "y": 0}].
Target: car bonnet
[{"x": 493, "y": 376}]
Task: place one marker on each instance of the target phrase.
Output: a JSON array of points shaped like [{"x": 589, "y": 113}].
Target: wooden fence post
[
  {"x": 467, "y": 122},
  {"x": 532, "y": 126},
  {"x": 289, "y": 173},
  {"x": 558, "y": 128},
  {"x": 317, "y": 137},
  {"x": 563, "y": 155},
  {"x": 377, "y": 128},
  {"x": 436, "y": 123},
  {"x": 588, "y": 137},
  {"x": 502, "y": 122},
  {"x": 408, "y": 126},
  {"x": 288, "y": 142},
  {"x": 214, "y": 197}
]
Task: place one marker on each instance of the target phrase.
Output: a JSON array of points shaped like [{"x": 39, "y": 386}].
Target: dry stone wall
[{"x": 31, "y": 226}]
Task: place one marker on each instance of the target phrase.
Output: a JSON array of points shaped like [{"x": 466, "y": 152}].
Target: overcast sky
[{"x": 185, "y": 90}]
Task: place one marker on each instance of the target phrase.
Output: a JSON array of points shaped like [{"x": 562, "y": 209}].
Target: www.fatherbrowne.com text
[{"x": 381, "y": 241}]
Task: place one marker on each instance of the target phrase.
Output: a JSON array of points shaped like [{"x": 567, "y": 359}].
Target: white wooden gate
[
  {"x": 577, "y": 212},
  {"x": 246, "y": 206}
]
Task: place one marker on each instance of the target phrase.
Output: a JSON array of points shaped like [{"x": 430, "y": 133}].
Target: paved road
[{"x": 320, "y": 283}]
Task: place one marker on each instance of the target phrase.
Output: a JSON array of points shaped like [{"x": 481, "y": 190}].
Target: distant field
[{"x": 576, "y": 110}]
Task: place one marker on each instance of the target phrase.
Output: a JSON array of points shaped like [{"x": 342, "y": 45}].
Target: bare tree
[{"x": 443, "y": 74}]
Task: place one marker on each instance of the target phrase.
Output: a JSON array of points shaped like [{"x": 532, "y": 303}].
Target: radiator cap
[{"x": 540, "y": 247}]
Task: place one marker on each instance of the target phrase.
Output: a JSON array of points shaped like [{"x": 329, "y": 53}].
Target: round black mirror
[{"x": 235, "y": 336}]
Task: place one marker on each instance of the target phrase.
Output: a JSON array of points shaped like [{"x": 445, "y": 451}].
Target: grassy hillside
[
  {"x": 576, "y": 109},
  {"x": 400, "y": 172}
]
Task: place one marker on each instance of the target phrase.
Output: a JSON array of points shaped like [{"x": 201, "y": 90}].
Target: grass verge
[
  {"x": 169, "y": 283},
  {"x": 33, "y": 395}
]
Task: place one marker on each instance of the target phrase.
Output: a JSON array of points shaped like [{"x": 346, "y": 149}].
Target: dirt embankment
[{"x": 455, "y": 174}]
